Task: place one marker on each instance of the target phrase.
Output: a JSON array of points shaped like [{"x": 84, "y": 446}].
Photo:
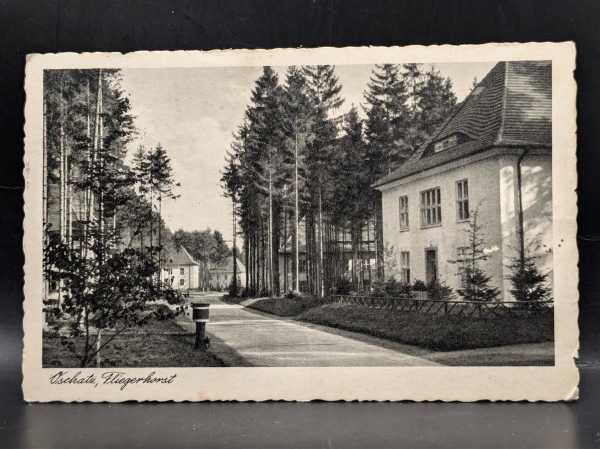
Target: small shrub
[
  {"x": 163, "y": 312},
  {"x": 419, "y": 286},
  {"x": 234, "y": 289},
  {"x": 439, "y": 291},
  {"x": 172, "y": 296},
  {"x": 343, "y": 287},
  {"x": 292, "y": 294}
]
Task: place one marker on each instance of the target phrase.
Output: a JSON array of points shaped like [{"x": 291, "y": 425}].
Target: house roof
[
  {"x": 180, "y": 257},
  {"x": 511, "y": 106},
  {"x": 227, "y": 265}
]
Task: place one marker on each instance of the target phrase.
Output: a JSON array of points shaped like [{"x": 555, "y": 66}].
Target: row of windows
[
  {"x": 431, "y": 206},
  {"x": 170, "y": 271}
]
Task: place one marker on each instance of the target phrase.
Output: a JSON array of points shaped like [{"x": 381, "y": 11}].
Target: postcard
[{"x": 361, "y": 223}]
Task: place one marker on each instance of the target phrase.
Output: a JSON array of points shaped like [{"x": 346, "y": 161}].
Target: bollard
[{"x": 200, "y": 313}]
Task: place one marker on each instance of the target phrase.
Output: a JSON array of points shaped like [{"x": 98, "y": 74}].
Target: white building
[
  {"x": 181, "y": 270},
  {"x": 493, "y": 154}
]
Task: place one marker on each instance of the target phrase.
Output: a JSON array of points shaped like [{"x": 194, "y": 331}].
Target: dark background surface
[{"x": 120, "y": 25}]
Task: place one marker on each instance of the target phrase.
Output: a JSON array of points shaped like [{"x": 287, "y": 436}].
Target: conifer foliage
[
  {"x": 95, "y": 207},
  {"x": 529, "y": 283},
  {"x": 300, "y": 171},
  {"x": 475, "y": 282}
]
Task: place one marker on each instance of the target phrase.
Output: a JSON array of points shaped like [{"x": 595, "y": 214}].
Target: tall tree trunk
[
  {"x": 379, "y": 237},
  {"x": 285, "y": 253},
  {"x": 270, "y": 233},
  {"x": 296, "y": 218},
  {"x": 159, "y": 238},
  {"x": 246, "y": 257},
  {"x": 320, "y": 285},
  {"x": 235, "y": 286}
]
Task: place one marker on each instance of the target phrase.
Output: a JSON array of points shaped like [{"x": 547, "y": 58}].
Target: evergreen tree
[
  {"x": 414, "y": 134},
  {"x": 387, "y": 115},
  {"x": 435, "y": 102},
  {"x": 162, "y": 185},
  {"x": 102, "y": 282},
  {"x": 265, "y": 140},
  {"x": 475, "y": 282},
  {"x": 352, "y": 195},
  {"x": 529, "y": 283},
  {"x": 298, "y": 131},
  {"x": 323, "y": 90}
]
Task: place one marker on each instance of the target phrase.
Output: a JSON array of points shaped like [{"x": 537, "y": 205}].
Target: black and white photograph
[
  {"x": 363, "y": 215},
  {"x": 385, "y": 214}
]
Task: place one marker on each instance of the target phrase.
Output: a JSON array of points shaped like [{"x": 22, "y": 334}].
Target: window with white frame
[
  {"x": 462, "y": 200},
  {"x": 403, "y": 212},
  {"x": 182, "y": 271},
  {"x": 405, "y": 267},
  {"x": 431, "y": 207},
  {"x": 182, "y": 282}
]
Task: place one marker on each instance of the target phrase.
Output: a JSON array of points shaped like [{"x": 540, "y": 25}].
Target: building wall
[
  {"x": 483, "y": 183},
  {"x": 536, "y": 191},
  {"x": 493, "y": 193},
  {"x": 189, "y": 279}
]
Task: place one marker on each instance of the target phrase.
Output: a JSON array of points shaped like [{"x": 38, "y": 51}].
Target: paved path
[{"x": 262, "y": 340}]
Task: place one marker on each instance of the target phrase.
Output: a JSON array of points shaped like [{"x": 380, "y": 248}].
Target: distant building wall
[{"x": 182, "y": 277}]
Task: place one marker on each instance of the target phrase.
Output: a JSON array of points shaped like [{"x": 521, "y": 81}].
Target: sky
[{"x": 193, "y": 113}]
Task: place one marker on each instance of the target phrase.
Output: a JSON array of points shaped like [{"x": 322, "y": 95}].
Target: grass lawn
[
  {"x": 286, "y": 306},
  {"x": 157, "y": 344},
  {"x": 437, "y": 332}
]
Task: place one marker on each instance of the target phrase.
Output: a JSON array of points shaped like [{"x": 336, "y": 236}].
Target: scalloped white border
[{"x": 559, "y": 382}]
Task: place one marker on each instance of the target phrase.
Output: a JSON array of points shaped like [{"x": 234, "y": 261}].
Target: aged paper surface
[{"x": 254, "y": 355}]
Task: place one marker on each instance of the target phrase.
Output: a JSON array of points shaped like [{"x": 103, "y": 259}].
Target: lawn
[
  {"x": 437, "y": 332},
  {"x": 286, "y": 307},
  {"x": 157, "y": 344}
]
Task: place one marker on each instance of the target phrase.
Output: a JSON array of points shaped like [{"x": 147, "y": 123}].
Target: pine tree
[
  {"x": 324, "y": 92},
  {"x": 435, "y": 101},
  {"x": 162, "y": 183},
  {"x": 475, "y": 282},
  {"x": 102, "y": 283},
  {"x": 387, "y": 115},
  {"x": 414, "y": 135},
  {"x": 352, "y": 194},
  {"x": 529, "y": 283},
  {"x": 264, "y": 143},
  {"x": 298, "y": 130},
  {"x": 231, "y": 182}
]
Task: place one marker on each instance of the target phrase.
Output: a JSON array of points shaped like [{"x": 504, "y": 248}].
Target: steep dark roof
[
  {"x": 511, "y": 106},
  {"x": 180, "y": 257}
]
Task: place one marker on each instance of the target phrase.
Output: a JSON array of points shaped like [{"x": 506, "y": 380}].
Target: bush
[
  {"x": 287, "y": 305},
  {"x": 172, "y": 296},
  {"x": 419, "y": 286},
  {"x": 343, "y": 287},
  {"x": 291, "y": 294},
  {"x": 234, "y": 289},
  {"x": 439, "y": 292},
  {"x": 163, "y": 312},
  {"x": 390, "y": 289}
]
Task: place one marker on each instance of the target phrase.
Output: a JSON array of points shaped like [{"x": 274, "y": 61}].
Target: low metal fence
[{"x": 421, "y": 304}]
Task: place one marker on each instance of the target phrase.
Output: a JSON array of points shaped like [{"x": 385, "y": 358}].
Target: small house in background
[
  {"x": 181, "y": 271},
  {"x": 221, "y": 274},
  {"x": 493, "y": 155}
]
